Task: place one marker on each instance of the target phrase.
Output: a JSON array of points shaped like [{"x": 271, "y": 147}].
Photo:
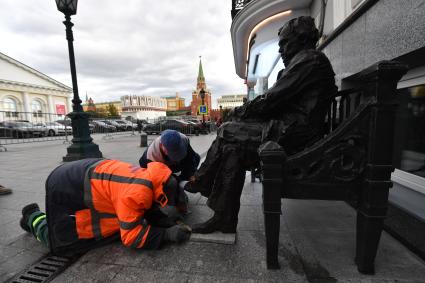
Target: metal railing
[
  {"x": 26, "y": 127},
  {"x": 112, "y": 126},
  {"x": 187, "y": 125}
]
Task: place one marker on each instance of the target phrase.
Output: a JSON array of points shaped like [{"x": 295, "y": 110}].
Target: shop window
[{"x": 409, "y": 147}]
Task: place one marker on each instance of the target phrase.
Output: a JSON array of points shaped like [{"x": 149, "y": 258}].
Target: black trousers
[
  {"x": 221, "y": 176},
  {"x": 65, "y": 196}
]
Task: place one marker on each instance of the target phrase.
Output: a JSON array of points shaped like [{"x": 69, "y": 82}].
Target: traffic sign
[{"x": 203, "y": 109}]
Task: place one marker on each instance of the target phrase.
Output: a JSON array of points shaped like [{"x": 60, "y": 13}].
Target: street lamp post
[
  {"x": 202, "y": 94},
  {"x": 82, "y": 143}
]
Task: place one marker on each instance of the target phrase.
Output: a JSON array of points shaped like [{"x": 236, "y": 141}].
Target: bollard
[{"x": 143, "y": 139}]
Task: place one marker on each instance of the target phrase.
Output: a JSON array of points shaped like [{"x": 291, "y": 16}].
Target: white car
[{"x": 54, "y": 128}]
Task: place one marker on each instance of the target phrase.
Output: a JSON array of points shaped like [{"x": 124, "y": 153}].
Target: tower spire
[
  {"x": 201, "y": 79},
  {"x": 201, "y": 71}
]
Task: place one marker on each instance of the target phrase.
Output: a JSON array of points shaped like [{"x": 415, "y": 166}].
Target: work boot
[
  {"x": 4, "y": 191},
  {"x": 216, "y": 223},
  {"x": 26, "y": 213}
]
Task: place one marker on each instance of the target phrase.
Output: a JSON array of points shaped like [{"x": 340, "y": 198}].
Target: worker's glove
[{"x": 177, "y": 233}]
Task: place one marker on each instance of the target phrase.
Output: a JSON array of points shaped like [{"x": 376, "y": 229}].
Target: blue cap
[{"x": 174, "y": 144}]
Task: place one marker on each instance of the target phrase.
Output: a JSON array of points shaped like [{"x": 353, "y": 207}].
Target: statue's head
[{"x": 296, "y": 35}]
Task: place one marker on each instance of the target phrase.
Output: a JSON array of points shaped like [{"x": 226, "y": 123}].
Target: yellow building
[
  {"x": 89, "y": 105},
  {"x": 175, "y": 103}
]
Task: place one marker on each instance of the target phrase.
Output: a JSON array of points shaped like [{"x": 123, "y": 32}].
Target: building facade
[
  {"x": 196, "y": 97},
  {"x": 354, "y": 35},
  {"x": 143, "y": 107},
  {"x": 231, "y": 101},
  {"x": 175, "y": 103},
  {"x": 90, "y": 105},
  {"x": 27, "y": 94}
]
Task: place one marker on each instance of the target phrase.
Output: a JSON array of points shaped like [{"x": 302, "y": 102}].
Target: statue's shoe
[
  {"x": 215, "y": 223},
  {"x": 189, "y": 187}
]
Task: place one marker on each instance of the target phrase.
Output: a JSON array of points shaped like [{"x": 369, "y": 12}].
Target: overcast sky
[{"x": 143, "y": 47}]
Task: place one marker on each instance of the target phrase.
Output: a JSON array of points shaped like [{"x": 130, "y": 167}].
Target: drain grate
[{"x": 44, "y": 270}]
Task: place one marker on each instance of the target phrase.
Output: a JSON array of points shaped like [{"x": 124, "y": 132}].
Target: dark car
[
  {"x": 102, "y": 127},
  {"x": 172, "y": 124},
  {"x": 203, "y": 129},
  {"x": 118, "y": 126},
  {"x": 14, "y": 129},
  {"x": 129, "y": 126}
]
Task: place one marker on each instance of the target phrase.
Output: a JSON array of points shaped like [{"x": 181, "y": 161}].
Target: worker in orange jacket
[{"x": 92, "y": 200}]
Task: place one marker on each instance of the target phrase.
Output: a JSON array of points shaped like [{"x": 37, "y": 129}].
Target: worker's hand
[
  {"x": 169, "y": 221},
  {"x": 177, "y": 233}
]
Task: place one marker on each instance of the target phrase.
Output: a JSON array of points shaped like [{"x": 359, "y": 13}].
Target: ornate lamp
[
  {"x": 68, "y": 7},
  {"x": 82, "y": 143},
  {"x": 202, "y": 94}
]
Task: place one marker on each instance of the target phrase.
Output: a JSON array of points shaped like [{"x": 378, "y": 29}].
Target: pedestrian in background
[{"x": 4, "y": 190}]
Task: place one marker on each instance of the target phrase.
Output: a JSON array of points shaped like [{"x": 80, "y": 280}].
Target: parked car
[
  {"x": 127, "y": 124},
  {"x": 20, "y": 130},
  {"x": 68, "y": 124},
  {"x": 102, "y": 127},
  {"x": 203, "y": 128},
  {"x": 171, "y": 124},
  {"x": 119, "y": 127},
  {"x": 54, "y": 128}
]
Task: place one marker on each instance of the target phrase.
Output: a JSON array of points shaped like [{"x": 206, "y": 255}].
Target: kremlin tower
[{"x": 196, "y": 97}]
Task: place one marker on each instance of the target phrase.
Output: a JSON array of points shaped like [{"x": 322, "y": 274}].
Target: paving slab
[
  {"x": 25, "y": 167},
  {"x": 316, "y": 241},
  {"x": 216, "y": 237}
]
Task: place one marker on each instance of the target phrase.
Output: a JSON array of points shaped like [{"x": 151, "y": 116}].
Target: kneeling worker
[
  {"x": 89, "y": 201},
  {"x": 173, "y": 149}
]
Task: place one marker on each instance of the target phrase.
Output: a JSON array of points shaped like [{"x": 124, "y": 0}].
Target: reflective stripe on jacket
[{"x": 116, "y": 195}]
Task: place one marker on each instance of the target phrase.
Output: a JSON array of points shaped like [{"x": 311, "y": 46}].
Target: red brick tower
[{"x": 196, "y": 98}]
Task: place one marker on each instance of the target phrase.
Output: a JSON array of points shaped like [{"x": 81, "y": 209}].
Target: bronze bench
[{"x": 353, "y": 161}]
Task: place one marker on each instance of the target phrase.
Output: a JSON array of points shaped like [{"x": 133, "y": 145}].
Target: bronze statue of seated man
[{"x": 292, "y": 113}]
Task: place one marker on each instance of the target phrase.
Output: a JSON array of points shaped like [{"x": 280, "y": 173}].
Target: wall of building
[
  {"x": 231, "y": 101},
  {"x": 24, "y": 103},
  {"x": 389, "y": 30}
]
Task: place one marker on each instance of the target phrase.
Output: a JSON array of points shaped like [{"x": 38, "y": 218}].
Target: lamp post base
[
  {"x": 83, "y": 150},
  {"x": 82, "y": 145}
]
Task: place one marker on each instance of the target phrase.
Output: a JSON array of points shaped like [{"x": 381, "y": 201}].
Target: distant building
[
  {"x": 103, "y": 106},
  {"x": 175, "y": 103},
  {"x": 89, "y": 105},
  {"x": 27, "y": 94},
  {"x": 143, "y": 107},
  {"x": 231, "y": 101},
  {"x": 196, "y": 97}
]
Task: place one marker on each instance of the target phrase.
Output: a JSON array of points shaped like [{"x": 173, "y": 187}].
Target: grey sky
[{"x": 148, "y": 47}]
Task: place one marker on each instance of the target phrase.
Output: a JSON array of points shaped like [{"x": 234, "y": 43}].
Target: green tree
[{"x": 112, "y": 110}]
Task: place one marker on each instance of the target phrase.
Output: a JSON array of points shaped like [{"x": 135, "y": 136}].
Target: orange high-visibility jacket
[{"x": 117, "y": 195}]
